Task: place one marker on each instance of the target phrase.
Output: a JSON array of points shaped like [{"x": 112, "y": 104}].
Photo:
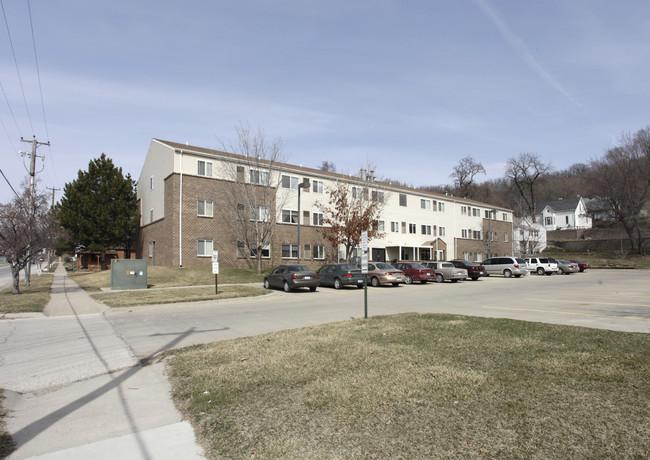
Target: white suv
[{"x": 542, "y": 265}]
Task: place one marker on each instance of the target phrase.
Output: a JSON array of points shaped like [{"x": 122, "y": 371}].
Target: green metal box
[{"x": 128, "y": 274}]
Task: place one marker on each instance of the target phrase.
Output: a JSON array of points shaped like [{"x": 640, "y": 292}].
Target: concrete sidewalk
[{"x": 74, "y": 389}]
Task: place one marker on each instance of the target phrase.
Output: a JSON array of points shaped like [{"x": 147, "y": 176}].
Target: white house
[
  {"x": 528, "y": 237},
  {"x": 564, "y": 214}
]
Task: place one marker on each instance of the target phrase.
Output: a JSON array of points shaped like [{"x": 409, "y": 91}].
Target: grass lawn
[
  {"x": 419, "y": 386},
  {"x": 170, "y": 277},
  {"x": 32, "y": 298},
  {"x": 148, "y": 297}
]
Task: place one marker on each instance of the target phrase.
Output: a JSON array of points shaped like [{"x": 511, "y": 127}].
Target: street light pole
[{"x": 301, "y": 185}]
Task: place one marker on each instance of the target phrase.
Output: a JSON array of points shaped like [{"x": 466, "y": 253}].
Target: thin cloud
[{"x": 520, "y": 47}]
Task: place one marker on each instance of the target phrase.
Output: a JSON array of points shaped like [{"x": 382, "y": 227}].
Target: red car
[
  {"x": 414, "y": 271},
  {"x": 474, "y": 271},
  {"x": 581, "y": 265}
]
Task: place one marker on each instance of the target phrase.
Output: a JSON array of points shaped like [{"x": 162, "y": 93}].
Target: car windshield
[
  {"x": 348, "y": 267},
  {"x": 298, "y": 268},
  {"x": 521, "y": 261}
]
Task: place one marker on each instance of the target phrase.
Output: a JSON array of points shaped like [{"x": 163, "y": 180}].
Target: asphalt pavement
[{"x": 75, "y": 386}]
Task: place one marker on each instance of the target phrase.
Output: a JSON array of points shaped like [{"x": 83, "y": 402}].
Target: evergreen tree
[{"x": 99, "y": 209}]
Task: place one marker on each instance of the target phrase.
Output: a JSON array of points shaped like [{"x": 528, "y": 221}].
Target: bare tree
[
  {"x": 328, "y": 166},
  {"x": 524, "y": 172},
  {"x": 253, "y": 197},
  {"x": 463, "y": 176},
  {"x": 621, "y": 179},
  {"x": 27, "y": 227}
]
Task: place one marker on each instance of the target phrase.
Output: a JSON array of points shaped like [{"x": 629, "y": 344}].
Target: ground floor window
[
  {"x": 204, "y": 248},
  {"x": 319, "y": 252},
  {"x": 241, "y": 250},
  {"x": 266, "y": 252},
  {"x": 289, "y": 251}
]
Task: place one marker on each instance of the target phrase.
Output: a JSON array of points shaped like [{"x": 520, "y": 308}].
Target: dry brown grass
[
  {"x": 193, "y": 294},
  {"x": 32, "y": 298},
  {"x": 420, "y": 386}
]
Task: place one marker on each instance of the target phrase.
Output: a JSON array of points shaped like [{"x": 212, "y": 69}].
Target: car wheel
[
  {"x": 560, "y": 271},
  {"x": 337, "y": 283},
  {"x": 440, "y": 278},
  {"x": 374, "y": 281},
  {"x": 312, "y": 288},
  {"x": 267, "y": 285},
  {"x": 286, "y": 287},
  {"x": 507, "y": 273},
  {"x": 474, "y": 278},
  {"x": 409, "y": 280},
  {"x": 540, "y": 271},
  {"x": 395, "y": 284}
]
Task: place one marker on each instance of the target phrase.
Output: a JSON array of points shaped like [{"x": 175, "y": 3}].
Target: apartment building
[{"x": 185, "y": 197}]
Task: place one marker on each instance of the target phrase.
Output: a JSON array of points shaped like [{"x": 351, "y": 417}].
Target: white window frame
[
  {"x": 394, "y": 226},
  {"x": 464, "y": 232},
  {"x": 425, "y": 229},
  {"x": 291, "y": 213},
  {"x": 258, "y": 176},
  {"x": 403, "y": 198},
  {"x": 151, "y": 183},
  {"x": 381, "y": 226},
  {"x": 317, "y": 186},
  {"x": 208, "y": 246},
  {"x": 205, "y": 213},
  {"x": 319, "y": 252},
  {"x": 413, "y": 228},
  {"x": 291, "y": 182},
  {"x": 441, "y": 231},
  {"x": 377, "y": 196},
  {"x": 317, "y": 219},
  {"x": 441, "y": 206},
  {"x": 266, "y": 252},
  {"x": 293, "y": 249},
  {"x": 207, "y": 168},
  {"x": 260, "y": 213},
  {"x": 463, "y": 210},
  {"x": 425, "y": 204}
]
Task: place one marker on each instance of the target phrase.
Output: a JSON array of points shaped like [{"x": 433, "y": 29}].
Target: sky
[{"x": 408, "y": 86}]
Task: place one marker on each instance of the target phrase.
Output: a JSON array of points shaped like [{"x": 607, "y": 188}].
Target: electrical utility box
[{"x": 128, "y": 274}]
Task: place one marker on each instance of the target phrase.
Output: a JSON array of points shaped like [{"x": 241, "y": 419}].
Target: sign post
[
  {"x": 364, "y": 270},
  {"x": 215, "y": 270}
]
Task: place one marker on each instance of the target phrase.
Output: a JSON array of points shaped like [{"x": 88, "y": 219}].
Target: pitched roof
[{"x": 566, "y": 204}]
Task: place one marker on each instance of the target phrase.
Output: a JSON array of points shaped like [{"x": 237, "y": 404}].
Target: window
[
  {"x": 317, "y": 219},
  {"x": 425, "y": 204},
  {"x": 317, "y": 186},
  {"x": 463, "y": 210},
  {"x": 204, "y": 248},
  {"x": 476, "y": 212},
  {"x": 152, "y": 245},
  {"x": 204, "y": 168},
  {"x": 289, "y": 216},
  {"x": 412, "y": 228},
  {"x": 151, "y": 215},
  {"x": 240, "y": 212},
  {"x": 260, "y": 213},
  {"x": 381, "y": 226},
  {"x": 241, "y": 250},
  {"x": 319, "y": 252},
  {"x": 394, "y": 227},
  {"x": 204, "y": 208},
  {"x": 505, "y": 217},
  {"x": 306, "y": 252},
  {"x": 289, "y": 251},
  {"x": 356, "y": 193},
  {"x": 426, "y": 229},
  {"x": 464, "y": 232},
  {"x": 441, "y": 206},
  {"x": 290, "y": 182},
  {"x": 240, "y": 173},
  {"x": 402, "y": 199},
  {"x": 487, "y": 214},
  {"x": 259, "y": 177},
  {"x": 266, "y": 252},
  {"x": 377, "y": 196},
  {"x": 403, "y": 227},
  {"x": 548, "y": 220},
  {"x": 566, "y": 221},
  {"x": 441, "y": 231},
  {"x": 506, "y": 237},
  {"x": 465, "y": 255},
  {"x": 151, "y": 183},
  {"x": 435, "y": 205},
  {"x": 476, "y": 234},
  {"x": 478, "y": 257}
]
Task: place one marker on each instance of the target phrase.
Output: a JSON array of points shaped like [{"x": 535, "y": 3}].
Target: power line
[
  {"x": 9, "y": 183},
  {"x": 13, "y": 52}
]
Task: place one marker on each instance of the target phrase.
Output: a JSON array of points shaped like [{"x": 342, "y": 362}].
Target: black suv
[{"x": 474, "y": 271}]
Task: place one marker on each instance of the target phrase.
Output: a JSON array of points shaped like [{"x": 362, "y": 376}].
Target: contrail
[{"x": 520, "y": 47}]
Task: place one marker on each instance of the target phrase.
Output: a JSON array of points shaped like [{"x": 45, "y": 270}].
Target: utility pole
[
  {"x": 32, "y": 189},
  {"x": 54, "y": 189}
]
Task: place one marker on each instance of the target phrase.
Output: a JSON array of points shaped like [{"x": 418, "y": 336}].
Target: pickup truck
[{"x": 542, "y": 265}]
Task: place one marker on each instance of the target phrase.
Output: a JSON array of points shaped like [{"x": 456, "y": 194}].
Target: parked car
[
  {"x": 414, "y": 271},
  {"x": 447, "y": 271},
  {"x": 582, "y": 266},
  {"x": 506, "y": 266},
  {"x": 339, "y": 275},
  {"x": 290, "y": 277},
  {"x": 541, "y": 265},
  {"x": 474, "y": 271},
  {"x": 383, "y": 273},
  {"x": 567, "y": 267}
]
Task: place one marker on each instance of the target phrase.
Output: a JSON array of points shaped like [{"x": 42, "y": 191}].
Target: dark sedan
[
  {"x": 290, "y": 277},
  {"x": 474, "y": 271},
  {"x": 339, "y": 275}
]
